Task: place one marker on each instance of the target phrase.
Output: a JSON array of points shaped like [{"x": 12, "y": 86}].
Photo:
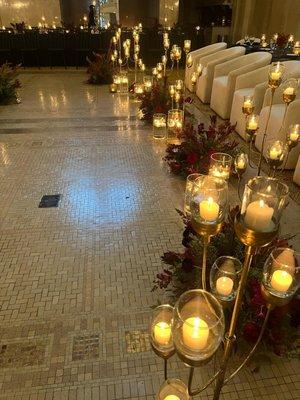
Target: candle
[
  {"x": 162, "y": 333},
  {"x": 289, "y": 91},
  {"x": 248, "y": 103},
  {"x": 294, "y": 136},
  {"x": 258, "y": 216},
  {"x": 241, "y": 163},
  {"x": 195, "y": 333},
  {"x": 221, "y": 172},
  {"x": 274, "y": 153},
  {"x": 172, "y": 397},
  {"x": 252, "y": 124},
  {"x": 224, "y": 285},
  {"x": 275, "y": 75},
  {"x": 209, "y": 210},
  {"x": 281, "y": 280}
]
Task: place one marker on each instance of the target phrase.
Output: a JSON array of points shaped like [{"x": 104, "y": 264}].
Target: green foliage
[{"x": 8, "y": 84}]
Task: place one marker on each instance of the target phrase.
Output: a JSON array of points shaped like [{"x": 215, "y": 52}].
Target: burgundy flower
[
  {"x": 192, "y": 158},
  {"x": 251, "y": 332},
  {"x": 164, "y": 278},
  {"x": 170, "y": 257},
  {"x": 188, "y": 100},
  {"x": 187, "y": 265}
]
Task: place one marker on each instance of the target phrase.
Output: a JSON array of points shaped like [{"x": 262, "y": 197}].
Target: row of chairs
[{"x": 228, "y": 75}]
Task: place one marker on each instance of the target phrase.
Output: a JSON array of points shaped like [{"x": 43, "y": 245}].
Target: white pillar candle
[
  {"x": 162, "y": 333},
  {"x": 281, "y": 280},
  {"x": 252, "y": 124},
  {"x": 195, "y": 333},
  {"x": 209, "y": 209},
  {"x": 274, "y": 153},
  {"x": 224, "y": 285},
  {"x": 172, "y": 397},
  {"x": 258, "y": 216}
]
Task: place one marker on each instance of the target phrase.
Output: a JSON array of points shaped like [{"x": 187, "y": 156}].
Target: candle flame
[
  {"x": 261, "y": 203},
  {"x": 210, "y": 200}
]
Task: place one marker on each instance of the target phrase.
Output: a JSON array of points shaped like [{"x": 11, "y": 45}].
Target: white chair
[
  {"x": 296, "y": 176},
  {"x": 254, "y": 84},
  {"x": 278, "y": 124},
  {"x": 196, "y": 56},
  {"x": 225, "y": 78},
  {"x": 205, "y": 81}
]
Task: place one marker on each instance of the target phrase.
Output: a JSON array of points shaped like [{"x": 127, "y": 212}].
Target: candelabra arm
[
  {"x": 262, "y": 331},
  {"x": 166, "y": 368},
  {"x": 195, "y": 392},
  {"x": 206, "y": 240},
  {"x": 265, "y": 133},
  {"x": 250, "y": 250}
]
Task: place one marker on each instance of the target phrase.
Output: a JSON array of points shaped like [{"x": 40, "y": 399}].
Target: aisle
[{"x": 75, "y": 280}]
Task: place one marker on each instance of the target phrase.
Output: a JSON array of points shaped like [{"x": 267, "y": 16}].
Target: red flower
[
  {"x": 192, "y": 158},
  {"x": 251, "y": 332},
  {"x": 158, "y": 109}
]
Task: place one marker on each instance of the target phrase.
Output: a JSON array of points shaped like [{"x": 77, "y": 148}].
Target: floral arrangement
[
  {"x": 182, "y": 273},
  {"x": 282, "y": 40},
  {"x": 9, "y": 83},
  {"x": 156, "y": 101},
  {"x": 193, "y": 154},
  {"x": 99, "y": 69}
]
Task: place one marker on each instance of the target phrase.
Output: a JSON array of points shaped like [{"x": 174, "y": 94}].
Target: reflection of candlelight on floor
[{"x": 4, "y": 155}]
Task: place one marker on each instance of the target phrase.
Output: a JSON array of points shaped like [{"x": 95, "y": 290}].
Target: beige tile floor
[{"x": 75, "y": 281}]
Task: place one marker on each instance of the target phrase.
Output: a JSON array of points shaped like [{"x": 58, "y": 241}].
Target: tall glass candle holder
[
  {"x": 281, "y": 273},
  {"x": 293, "y": 135},
  {"x": 198, "y": 326},
  {"x": 138, "y": 88},
  {"x": 159, "y": 126},
  {"x": 173, "y": 389},
  {"x": 240, "y": 163},
  {"x": 296, "y": 48},
  {"x": 276, "y": 152},
  {"x": 190, "y": 181},
  {"x": 194, "y": 78},
  {"x": 248, "y": 105},
  {"x": 160, "y": 331},
  {"x": 175, "y": 124},
  {"x": 263, "y": 203},
  {"x": 276, "y": 71},
  {"x": 252, "y": 127},
  {"x": 220, "y": 165},
  {"x": 289, "y": 90},
  {"x": 179, "y": 85},
  {"x": 224, "y": 278},
  {"x": 189, "y": 60}
]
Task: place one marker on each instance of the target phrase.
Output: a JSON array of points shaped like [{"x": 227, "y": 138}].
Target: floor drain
[{"x": 49, "y": 200}]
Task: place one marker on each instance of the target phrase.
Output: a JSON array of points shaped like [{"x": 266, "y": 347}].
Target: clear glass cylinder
[
  {"x": 147, "y": 83},
  {"x": 190, "y": 180},
  {"x": 173, "y": 389},
  {"x": 220, "y": 165},
  {"x": 248, "y": 105},
  {"x": 224, "y": 277},
  {"x": 159, "y": 125},
  {"x": 252, "y": 126},
  {"x": 175, "y": 124},
  {"x": 198, "y": 325},
  {"x": 160, "y": 329},
  {"x": 138, "y": 88},
  {"x": 263, "y": 202},
  {"x": 281, "y": 273},
  {"x": 209, "y": 201},
  {"x": 276, "y": 71}
]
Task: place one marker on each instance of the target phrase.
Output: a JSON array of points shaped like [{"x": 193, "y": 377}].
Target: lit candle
[
  {"x": 289, "y": 91},
  {"x": 172, "y": 397},
  {"x": 294, "y": 136},
  {"x": 252, "y": 124},
  {"x": 258, "y": 216},
  {"x": 281, "y": 280},
  {"x": 241, "y": 163},
  {"x": 224, "y": 285},
  {"x": 274, "y": 153},
  {"x": 162, "y": 333},
  {"x": 209, "y": 209},
  {"x": 248, "y": 104},
  {"x": 195, "y": 333}
]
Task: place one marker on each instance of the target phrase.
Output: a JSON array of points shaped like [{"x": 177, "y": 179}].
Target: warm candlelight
[
  {"x": 241, "y": 163},
  {"x": 162, "y": 333},
  {"x": 224, "y": 285},
  {"x": 172, "y": 397},
  {"x": 220, "y": 172},
  {"x": 275, "y": 152},
  {"x": 281, "y": 281},
  {"x": 294, "y": 136},
  {"x": 247, "y": 106},
  {"x": 258, "y": 216},
  {"x": 209, "y": 210},
  {"x": 252, "y": 124},
  {"x": 172, "y": 90},
  {"x": 195, "y": 333}
]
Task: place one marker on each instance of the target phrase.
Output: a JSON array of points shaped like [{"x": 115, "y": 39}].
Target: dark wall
[
  {"x": 72, "y": 11},
  {"x": 134, "y": 11}
]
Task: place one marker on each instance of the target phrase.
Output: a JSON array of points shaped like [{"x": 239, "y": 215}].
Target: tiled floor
[{"x": 75, "y": 280}]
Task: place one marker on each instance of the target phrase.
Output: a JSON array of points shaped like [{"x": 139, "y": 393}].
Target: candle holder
[
  {"x": 138, "y": 89},
  {"x": 159, "y": 126},
  {"x": 175, "y": 125},
  {"x": 173, "y": 389},
  {"x": 208, "y": 207},
  {"x": 251, "y": 131},
  {"x": 113, "y": 88},
  {"x": 276, "y": 71},
  {"x": 220, "y": 165},
  {"x": 179, "y": 85},
  {"x": 189, "y": 60},
  {"x": 161, "y": 338},
  {"x": 224, "y": 278},
  {"x": 248, "y": 105},
  {"x": 241, "y": 162},
  {"x": 198, "y": 327},
  {"x": 147, "y": 83},
  {"x": 187, "y": 46},
  {"x": 190, "y": 181},
  {"x": 296, "y": 48},
  {"x": 194, "y": 78},
  {"x": 289, "y": 90},
  {"x": 172, "y": 91},
  {"x": 276, "y": 153}
]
